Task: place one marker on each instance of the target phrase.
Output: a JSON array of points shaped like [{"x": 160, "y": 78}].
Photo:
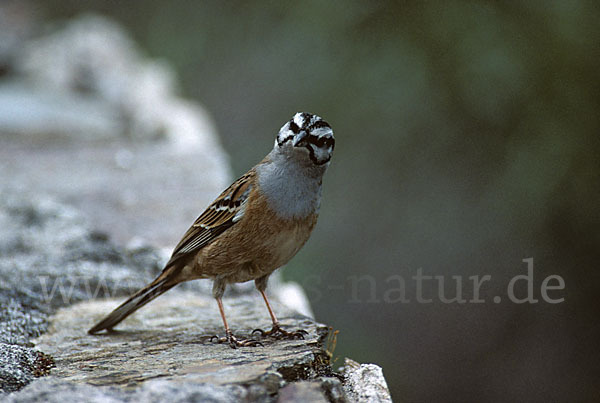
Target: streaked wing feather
[{"x": 223, "y": 213}]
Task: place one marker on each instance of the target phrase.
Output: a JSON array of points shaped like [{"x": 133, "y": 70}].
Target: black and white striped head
[{"x": 307, "y": 136}]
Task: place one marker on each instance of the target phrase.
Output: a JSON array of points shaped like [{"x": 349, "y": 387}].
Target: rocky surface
[
  {"x": 170, "y": 340},
  {"x": 365, "y": 382},
  {"x": 20, "y": 365},
  {"x": 85, "y": 117},
  {"x": 49, "y": 258}
]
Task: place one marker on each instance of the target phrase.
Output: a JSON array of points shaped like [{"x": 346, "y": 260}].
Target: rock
[
  {"x": 170, "y": 339},
  {"x": 333, "y": 389},
  {"x": 19, "y": 365},
  {"x": 292, "y": 295},
  {"x": 87, "y": 118},
  {"x": 365, "y": 382},
  {"x": 127, "y": 190},
  {"x": 56, "y": 391},
  {"x": 45, "y": 115},
  {"x": 302, "y": 392},
  {"x": 94, "y": 57},
  {"x": 49, "y": 258}
]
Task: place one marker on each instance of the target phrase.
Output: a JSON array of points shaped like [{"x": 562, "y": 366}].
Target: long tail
[{"x": 159, "y": 286}]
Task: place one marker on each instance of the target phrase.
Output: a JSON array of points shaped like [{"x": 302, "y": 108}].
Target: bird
[{"x": 254, "y": 227}]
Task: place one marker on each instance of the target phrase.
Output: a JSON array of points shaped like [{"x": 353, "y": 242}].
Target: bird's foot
[
  {"x": 235, "y": 342},
  {"x": 278, "y": 333}
]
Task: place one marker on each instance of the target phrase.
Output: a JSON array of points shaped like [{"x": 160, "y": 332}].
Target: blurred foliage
[{"x": 467, "y": 140}]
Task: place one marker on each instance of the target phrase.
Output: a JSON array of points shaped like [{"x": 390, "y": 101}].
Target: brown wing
[{"x": 223, "y": 213}]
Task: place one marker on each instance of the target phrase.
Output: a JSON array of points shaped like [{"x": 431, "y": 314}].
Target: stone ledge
[{"x": 169, "y": 339}]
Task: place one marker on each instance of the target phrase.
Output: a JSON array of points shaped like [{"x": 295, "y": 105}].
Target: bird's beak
[{"x": 301, "y": 136}]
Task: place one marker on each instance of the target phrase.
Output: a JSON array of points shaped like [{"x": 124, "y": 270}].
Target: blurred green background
[{"x": 467, "y": 140}]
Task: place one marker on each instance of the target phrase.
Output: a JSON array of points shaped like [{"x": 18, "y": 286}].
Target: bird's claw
[
  {"x": 278, "y": 333},
  {"x": 234, "y": 342}
]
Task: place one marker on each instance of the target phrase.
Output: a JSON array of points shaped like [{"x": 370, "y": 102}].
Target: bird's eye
[{"x": 323, "y": 141}]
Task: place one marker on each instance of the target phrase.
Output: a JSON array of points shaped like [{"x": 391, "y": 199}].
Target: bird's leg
[
  {"x": 276, "y": 331},
  {"x": 218, "y": 290},
  {"x": 229, "y": 338}
]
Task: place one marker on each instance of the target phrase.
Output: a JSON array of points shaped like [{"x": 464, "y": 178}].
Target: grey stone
[
  {"x": 50, "y": 258},
  {"x": 333, "y": 389},
  {"x": 365, "y": 382},
  {"x": 93, "y": 58},
  {"x": 88, "y": 119},
  {"x": 20, "y": 365},
  {"x": 56, "y": 391},
  {"x": 302, "y": 392},
  {"x": 127, "y": 190},
  {"x": 170, "y": 339},
  {"x": 164, "y": 351},
  {"x": 45, "y": 115}
]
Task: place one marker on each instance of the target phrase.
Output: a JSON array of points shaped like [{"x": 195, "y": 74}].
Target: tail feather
[{"x": 135, "y": 302}]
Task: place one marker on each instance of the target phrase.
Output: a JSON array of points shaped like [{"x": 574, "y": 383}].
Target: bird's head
[{"x": 307, "y": 138}]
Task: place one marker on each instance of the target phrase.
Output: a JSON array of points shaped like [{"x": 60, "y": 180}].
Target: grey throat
[{"x": 292, "y": 187}]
